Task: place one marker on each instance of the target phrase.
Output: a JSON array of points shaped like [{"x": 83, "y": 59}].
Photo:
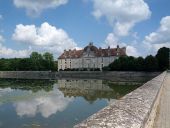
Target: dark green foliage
[
  {"x": 128, "y": 63},
  {"x": 151, "y": 63},
  {"x": 163, "y": 58},
  {"x": 36, "y": 62},
  {"x": 139, "y": 64}
]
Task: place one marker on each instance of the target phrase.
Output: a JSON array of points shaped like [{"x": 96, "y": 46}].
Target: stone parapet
[{"x": 135, "y": 110}]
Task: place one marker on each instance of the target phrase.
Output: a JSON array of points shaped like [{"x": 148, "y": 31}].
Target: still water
[{"x": 55, "y": 104}]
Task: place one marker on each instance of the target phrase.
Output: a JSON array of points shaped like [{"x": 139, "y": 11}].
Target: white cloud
[
  {"x": 121, "y": 14},
  {"x": 159, "y": 38},
  {"x": 35, "y": 7},
  {"x": 111, "y": 40},
  {"x": 11, "y": 53},
  {"x": 46, "y": 105},
  {"x": 132, "y": 51},
  {"x": 4, "y": 91},
  {"x": 45, "y": 38}
]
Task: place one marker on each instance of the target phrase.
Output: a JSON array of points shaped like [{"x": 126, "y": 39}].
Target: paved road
[{"x": 163, "y": 115}]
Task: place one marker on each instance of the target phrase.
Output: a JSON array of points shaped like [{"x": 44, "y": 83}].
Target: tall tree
[
  {"x": 36, "y": 60},
  {"x": 139, "y": 64},
  {"x": 151, "y": 63},
  {"x": 48, "y": 61},
  {"x": 163, "y": 58}
]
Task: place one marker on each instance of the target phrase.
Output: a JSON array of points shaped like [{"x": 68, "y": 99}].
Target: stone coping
[{"x": 132, "y": 111}]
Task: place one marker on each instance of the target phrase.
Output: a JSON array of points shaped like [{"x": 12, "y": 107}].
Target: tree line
[
  {"x": 160, "y": 62},
  {"x": 45, "y": 62},
  {"x": 36, "y": 62}
]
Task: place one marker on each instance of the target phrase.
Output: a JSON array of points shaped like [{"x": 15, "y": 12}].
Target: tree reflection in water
[
  {"x": 56, "y": 103},
  {"x": 91, "y": 90},
  {"x": 33, "y": 85}
]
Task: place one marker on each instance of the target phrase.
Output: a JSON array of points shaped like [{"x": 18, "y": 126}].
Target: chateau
[{"x": 90, "y": 57}]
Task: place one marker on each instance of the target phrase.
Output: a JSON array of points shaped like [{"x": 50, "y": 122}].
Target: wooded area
[
  {"x": 159, "y": 62},
  {"x": 36, "y": 62}
]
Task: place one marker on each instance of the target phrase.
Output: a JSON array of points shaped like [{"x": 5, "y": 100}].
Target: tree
[
  {"x": 129, "y": 63},
  {"x": 48, "y": 61},
  {"x": 24, "y": 64},
  {"x": 123, "y": 63},
  {"x": 151, "y": 63},
  {"x": 139, "y": 64},
  {"x": 36, "y": 61},
  {"x": 116, "y": 65},
  {"x": 14, "y": 64},
  {"x": 163, "y": 58},
  {"x": 2, "y": 65}
]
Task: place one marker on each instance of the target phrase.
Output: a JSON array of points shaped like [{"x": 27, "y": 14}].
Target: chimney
[
  {"x": 117, "y": 50},
  {"x": 91, "y": 44},
  {"x": 74, "y": 51},
  {"x": 108, "y": 51}
]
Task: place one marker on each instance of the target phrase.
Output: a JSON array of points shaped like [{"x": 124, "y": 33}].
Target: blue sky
[{"x": 55, "y": 25}]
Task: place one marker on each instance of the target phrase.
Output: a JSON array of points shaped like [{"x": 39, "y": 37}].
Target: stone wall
[
  {"x": 135, "y": 110},
  {"x": 27, "y": 74},
  {"x": 114, "y": 76}
]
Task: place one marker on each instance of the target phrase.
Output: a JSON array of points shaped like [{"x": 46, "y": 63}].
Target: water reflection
[
  {"x": 50, "y": 104},
  {"x": 46, "y": 105},
  {"x": 92, "y": 90},
  {"x": 32, "y": 85}
]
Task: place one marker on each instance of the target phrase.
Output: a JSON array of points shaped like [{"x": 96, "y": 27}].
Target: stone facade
[{"x": 90, "y": 57}]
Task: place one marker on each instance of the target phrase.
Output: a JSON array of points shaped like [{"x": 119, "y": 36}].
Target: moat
[{"x": 59, "y": 104}]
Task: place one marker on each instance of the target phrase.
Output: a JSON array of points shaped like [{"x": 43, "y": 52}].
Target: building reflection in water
[
  {"x": 91, "y": 90},
  {"x": 30, "y": 100}
]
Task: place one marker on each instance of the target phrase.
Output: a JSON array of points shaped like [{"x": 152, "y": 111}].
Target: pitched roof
[{"x": 97, "y": 52}]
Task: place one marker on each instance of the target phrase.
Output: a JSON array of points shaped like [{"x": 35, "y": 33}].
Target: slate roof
[{"x": 98, "y": 52}]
